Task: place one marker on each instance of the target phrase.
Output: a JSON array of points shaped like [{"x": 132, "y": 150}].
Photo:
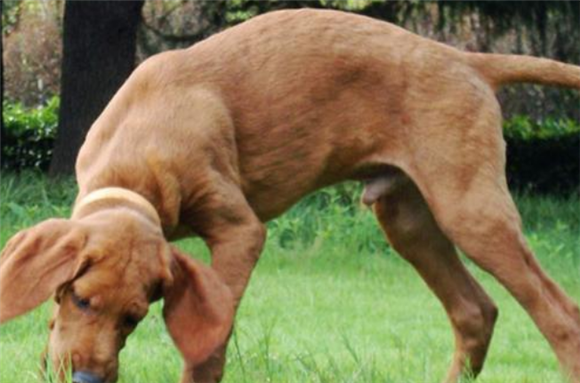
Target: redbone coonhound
[{"x": 219, "y": 138}]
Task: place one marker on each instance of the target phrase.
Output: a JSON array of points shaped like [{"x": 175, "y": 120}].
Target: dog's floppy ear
[
  {"x": 35, "y": 262},
  {"x": 198, "y": 308}
]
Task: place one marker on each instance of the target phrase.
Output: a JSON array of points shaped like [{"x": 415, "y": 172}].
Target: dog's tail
[{"x": 501, "y": 69}]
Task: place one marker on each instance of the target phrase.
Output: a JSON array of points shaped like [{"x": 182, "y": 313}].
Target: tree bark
[{"x": 99, "y": 46}]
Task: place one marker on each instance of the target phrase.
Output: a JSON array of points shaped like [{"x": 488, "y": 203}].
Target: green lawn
[{"x": 329, "y": 301}]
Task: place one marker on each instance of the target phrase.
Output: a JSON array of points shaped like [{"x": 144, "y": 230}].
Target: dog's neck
[{"x": 104, "y": 197}]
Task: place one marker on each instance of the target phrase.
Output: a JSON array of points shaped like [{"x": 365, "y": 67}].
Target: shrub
[
  {"x": 524, "y": 128},
  {"x": 29, "y": 135},
  {"x": 543, "y": 156}
]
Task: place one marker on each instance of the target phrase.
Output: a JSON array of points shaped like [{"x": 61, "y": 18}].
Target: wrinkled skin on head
[{"x": 103, "y": 271}]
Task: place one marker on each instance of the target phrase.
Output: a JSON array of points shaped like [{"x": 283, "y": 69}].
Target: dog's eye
[
  {"x": 81, "y": 303},
  {"x": 130, "y": 321}
]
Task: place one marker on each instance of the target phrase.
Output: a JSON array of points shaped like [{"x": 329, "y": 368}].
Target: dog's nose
[{"x": 85, "y": 377}]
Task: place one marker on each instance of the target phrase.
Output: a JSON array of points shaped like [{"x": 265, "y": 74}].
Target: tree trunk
[{"x": 99, "y": 47}]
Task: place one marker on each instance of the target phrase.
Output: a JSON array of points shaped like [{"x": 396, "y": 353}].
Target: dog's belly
[
  {"x": 278, "y": 188},
  {"x": 317, "y": 144},
  {"x": 289, "y": 162}
]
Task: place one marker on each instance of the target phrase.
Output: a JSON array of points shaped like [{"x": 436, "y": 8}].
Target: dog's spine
[{"x": 501, "y": 69}]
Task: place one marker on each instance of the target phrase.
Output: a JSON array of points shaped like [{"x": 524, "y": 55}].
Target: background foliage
[
  {"x": 543, "y": 156},
  {"x": 541, "y": 122},
  {"x": 29, "y": 135},
  {"x": 32, "y": 32}
]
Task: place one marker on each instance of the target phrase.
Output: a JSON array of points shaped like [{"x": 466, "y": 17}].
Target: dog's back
[{"x": 336, "y": 91}]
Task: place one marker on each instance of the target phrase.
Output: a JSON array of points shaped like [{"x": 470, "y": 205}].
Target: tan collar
[{"x": 116, "y": 193}]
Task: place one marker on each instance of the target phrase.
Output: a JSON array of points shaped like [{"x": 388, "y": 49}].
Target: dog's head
[{"x": 103, "y": 271}]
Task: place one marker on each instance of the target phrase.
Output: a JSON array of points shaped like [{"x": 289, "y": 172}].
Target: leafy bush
[
  {"x": 29, "y": 135},
  {"x": 525, "y": 128},
  {"x": 543, "y": 156}
]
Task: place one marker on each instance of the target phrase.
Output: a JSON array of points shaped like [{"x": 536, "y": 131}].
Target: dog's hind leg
[
  {"x": 484, "y": 223},
  {"x": 460, "y": 172},
  {"x": 411, "y": 229}
]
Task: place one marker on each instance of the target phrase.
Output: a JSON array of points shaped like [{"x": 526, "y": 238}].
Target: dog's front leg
[{"x": 235, "y": 237}]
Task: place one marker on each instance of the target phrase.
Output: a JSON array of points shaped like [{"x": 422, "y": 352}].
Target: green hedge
[
  {"x": 29, "y": 135},
  {"x": 543, "y": 156}
]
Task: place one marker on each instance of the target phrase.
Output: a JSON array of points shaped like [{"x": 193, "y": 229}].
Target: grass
[{"x": 328, "y": 302}]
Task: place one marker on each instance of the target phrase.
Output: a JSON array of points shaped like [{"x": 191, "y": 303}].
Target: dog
[{"x": 217, "y": 139}]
